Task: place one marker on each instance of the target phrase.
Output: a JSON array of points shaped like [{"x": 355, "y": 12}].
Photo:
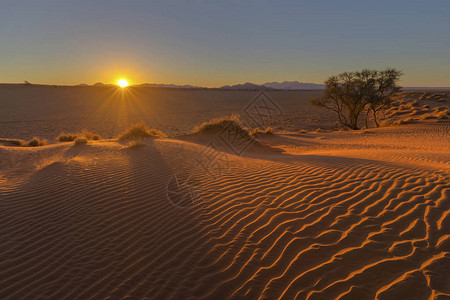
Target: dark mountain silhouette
[
  {"x": 286, "y": 85},
  {"x": 245, "y": 86},
  {"x": 186, "y": 86},
  {"x": 294, "y": 85}
]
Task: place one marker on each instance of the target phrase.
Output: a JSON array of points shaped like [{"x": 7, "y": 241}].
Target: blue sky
[{"x": 212, "y": 43}]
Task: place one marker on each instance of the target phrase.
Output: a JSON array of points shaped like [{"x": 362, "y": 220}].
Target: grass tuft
[
  {"x": 91, "y": 136},
  {"x": 66, "y": 137},
  {"x": 232, "y": 123},
  {"x": 140, "y": 131},
  {"x": 80, "y": 141},
  {"x": 16, "y": 142},
  {"x": 268, "y": 131},
  {"x": 35, "y": 142}
]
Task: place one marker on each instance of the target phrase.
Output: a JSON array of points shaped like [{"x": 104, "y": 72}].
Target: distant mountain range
[
  {"x": 246, "y": 86},
  {"x": 186, "y": 86},
  {"x": 285, "y": 85},
  {"x": 294, "y": 85}
]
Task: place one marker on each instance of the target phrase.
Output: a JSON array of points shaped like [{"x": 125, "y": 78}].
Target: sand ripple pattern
[{"x": 100, "y": 226}]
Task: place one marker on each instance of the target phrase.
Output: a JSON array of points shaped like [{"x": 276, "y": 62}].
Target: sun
[{"x": 122, "y": 83}]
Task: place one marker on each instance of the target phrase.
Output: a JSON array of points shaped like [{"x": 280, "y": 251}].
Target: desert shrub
[
  {"x": 230, "y": 122},
  {"x": 16, "y": 142},
  {"x": 91, "y": 136},
  {"x": 66, "y": 137},
  {"x": 80, "y": 141},
  {"x": 70, "y": 137},
  {"x": 140, "y": 131},
  {"x": 35, "y": 142}
]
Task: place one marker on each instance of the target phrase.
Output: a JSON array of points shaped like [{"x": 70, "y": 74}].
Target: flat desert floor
[{"x": 300, "y": 214}]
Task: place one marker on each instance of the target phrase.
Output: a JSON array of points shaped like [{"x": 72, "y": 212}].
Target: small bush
[
  {"x": 66, "y": 137},
  {"x": 18, "y": 143},
  {"x": 70, "y": 137},
  {"x": 80, "y": 141},
  {"x": 35, "y": 142},
  {"x": 231, "y": 122},
  {"x": 91, "y": 136},
  {"x": 140, "y": 131}
]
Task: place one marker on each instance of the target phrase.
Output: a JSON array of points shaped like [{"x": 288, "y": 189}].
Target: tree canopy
[{"x": 350, "y": 93}]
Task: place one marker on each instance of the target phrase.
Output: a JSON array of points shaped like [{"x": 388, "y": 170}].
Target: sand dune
[{"x": 335, "y": 216}]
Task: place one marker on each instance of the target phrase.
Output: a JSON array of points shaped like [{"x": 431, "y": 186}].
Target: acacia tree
[
  {"x": 380, "y": 96},
  {"x": 350, "y": 93}
]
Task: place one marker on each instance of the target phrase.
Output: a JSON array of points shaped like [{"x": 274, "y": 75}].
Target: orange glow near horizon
[{"x": 122, "y": 83}]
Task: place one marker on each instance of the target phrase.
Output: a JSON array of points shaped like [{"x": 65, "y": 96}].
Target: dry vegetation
[
  {"x": 232, "y": 123},
  {"x": 80, "y": 141},
  {"x": 70, "y": 137},
  {"x": 268, "y": 131},
  {"x": 35, "y": 142},
  {"x": 140, "y": 131}
]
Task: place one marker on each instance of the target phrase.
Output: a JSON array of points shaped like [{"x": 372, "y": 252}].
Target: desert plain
[{"x": 305, "y": 210}]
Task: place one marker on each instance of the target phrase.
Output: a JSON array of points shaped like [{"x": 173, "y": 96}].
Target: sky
[{"x": 214, "y": 43}]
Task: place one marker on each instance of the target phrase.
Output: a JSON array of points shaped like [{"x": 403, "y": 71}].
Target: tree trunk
[
  {"x": 366, "y": 119},
  {"x": 375, "y": 118}
]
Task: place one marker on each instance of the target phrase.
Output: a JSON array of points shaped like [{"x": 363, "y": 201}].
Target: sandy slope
[{"x": 337, "y": 215}]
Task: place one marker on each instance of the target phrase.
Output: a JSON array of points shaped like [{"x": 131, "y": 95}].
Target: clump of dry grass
[
  {"x": 66, "y": 137},
  {"x": 91, "y": 136},
  {"x": 80, "y": 141},
  {"x": 35, "y": 142},
  {"x": 16, "y": 142},
  {"x": 232, "y": 123},
  {"x": 268, "y": 131},
  {"x": 140, "y": 131},
  {"x": 70, "y": 137}
]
